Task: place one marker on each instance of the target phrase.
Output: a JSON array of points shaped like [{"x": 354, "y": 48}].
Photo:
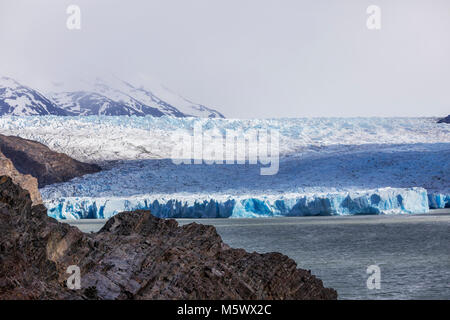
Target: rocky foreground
[{"x": 135, "y": 256}]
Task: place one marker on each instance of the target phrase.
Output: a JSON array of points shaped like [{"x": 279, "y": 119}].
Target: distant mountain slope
[
  {"x": 19, "y": 100},
  {"x": 36, "y": 159},
  {"x": 107, "y": 96},
  {"x": 91, "y": 103},
  {"x": 445, "y": 120}
]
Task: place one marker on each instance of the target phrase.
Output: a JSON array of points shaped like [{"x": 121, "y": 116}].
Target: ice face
[
  {"x": 381, "y": 201},
  {"x": 439, "y": 201},
  {"x": 327, "y": 166}
]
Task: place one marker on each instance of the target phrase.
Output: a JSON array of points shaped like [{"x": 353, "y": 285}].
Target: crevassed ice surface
[{"x": 327, "y": 166}]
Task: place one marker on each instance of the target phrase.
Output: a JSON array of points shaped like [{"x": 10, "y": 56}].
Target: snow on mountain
[
  {"x": 100, "y": 96},
  {"x": 146, "y": 89},
  {"x": 113, "y": 96},
  {"x": 17, "y": 99},
  {"x": 91, "y": 103}
]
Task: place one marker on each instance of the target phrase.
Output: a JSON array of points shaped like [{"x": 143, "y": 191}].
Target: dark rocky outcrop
[
  {"x": 135, "y": 256},
  {"x": 445, "y": 120},
  {"x": 26, "y": 181},
  {"x": 36, "y": 159}
]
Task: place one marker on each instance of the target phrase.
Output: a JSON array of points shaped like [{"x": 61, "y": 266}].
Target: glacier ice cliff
[
  {"x": 439, "y": 200},
  {"x": 379, "y": 201}
]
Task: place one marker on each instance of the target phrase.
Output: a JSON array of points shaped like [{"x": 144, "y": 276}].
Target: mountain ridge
[
  {"x": 17, "y": 99},
  {"x": 110, "y": 96}
]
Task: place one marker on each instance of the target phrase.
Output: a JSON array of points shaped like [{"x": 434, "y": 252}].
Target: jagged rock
[
  {"x": 27, "y": 182},
  {"x": 135, "y": 256},
  {"x": 36, "y": 159},
  {"x": 445, "y": 120}
]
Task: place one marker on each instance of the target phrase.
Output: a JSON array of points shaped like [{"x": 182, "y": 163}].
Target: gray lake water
[{"x": 412, "y": 251}]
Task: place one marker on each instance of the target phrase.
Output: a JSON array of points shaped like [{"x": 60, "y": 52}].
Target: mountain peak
[
  {"x": 106, "y": 95},
  {"x": 19, "y": 100}
]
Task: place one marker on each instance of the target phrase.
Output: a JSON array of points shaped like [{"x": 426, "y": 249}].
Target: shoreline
[{"x": 93, "y": 225}]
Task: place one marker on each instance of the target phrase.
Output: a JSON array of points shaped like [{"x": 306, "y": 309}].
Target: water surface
[{"x": 412, "y": 251}]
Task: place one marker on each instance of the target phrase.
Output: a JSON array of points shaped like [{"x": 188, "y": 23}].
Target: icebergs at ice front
[
  {"x": 379, "y": 201},
  {"x": 104, "y": 208},
  {"x": 438, "y": 200}
]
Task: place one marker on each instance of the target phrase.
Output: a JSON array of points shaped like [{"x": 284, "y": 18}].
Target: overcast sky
[{"x": 247, "y": 58}]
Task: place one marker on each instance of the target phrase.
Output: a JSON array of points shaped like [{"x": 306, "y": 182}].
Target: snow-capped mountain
[
  {"x": 105, "y": 96},
  {"x": 91, "y": 103},
  {"x": 20, "y": 100},
  {"x": 110, "y": 97}
]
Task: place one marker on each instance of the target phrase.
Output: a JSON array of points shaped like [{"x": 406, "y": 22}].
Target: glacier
[
  {"x": 109, "y": 138},
  {"x": 328, "y": 166},
  {"x": 381, "y": 201}
]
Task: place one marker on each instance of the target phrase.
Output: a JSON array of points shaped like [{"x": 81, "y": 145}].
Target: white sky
[{"x": 247, "y": 58}]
